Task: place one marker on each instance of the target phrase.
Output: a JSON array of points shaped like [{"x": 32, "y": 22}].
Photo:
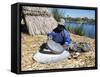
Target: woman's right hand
[
  {"x": 65, "y": 46},
  {"x": 50, "y": 37}
]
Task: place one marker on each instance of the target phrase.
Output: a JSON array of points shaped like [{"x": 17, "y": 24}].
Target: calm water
[{"x": 89, "y": 29}]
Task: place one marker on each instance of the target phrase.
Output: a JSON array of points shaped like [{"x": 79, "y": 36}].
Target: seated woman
[{"x": 60, "y": 35}]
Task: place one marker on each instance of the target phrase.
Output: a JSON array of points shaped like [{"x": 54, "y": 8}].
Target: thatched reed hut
[{"x": 38, "y": 20}]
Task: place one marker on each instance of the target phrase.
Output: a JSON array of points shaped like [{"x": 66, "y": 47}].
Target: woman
[{"x": 60, "y": 35}]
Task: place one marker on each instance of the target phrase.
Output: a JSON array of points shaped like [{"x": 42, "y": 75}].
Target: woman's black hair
[{"x": 59, "y": 28}]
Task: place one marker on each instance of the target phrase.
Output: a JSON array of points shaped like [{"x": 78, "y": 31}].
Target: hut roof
[{"x": 38, "y": 20}]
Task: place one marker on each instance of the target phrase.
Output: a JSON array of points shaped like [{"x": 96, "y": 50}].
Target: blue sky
[{"x": 78, "y": 13}]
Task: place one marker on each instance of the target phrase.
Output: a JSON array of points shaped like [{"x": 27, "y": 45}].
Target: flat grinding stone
[{"x": 55, "y": 47}]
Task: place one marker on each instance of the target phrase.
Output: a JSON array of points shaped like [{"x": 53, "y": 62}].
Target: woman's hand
[
  {"x": 65, "y": 46},
  {"x": 50, "y": 37}
]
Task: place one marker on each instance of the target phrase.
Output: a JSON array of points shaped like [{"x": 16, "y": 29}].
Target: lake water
[{"x": 89, "y": 29}]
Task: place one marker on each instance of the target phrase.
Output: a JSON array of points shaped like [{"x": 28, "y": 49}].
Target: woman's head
[{"x": 59, "y": 28}]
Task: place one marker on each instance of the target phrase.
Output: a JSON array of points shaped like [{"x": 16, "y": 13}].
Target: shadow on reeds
[{"x": 24, "y": 29}]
